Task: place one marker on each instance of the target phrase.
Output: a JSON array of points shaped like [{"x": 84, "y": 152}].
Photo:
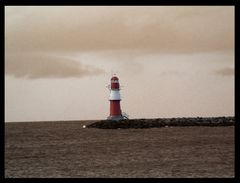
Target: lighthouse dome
[{"x": 114, "y": 78}]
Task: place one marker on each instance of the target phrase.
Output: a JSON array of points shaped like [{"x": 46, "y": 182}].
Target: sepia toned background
[{"x": 171, "y": 61}]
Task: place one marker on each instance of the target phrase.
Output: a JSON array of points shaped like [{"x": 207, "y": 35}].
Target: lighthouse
[{"x": 115, "y": 98}]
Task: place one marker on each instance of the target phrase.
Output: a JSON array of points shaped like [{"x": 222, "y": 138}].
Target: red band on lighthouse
[{"x": 115, "y": 109}]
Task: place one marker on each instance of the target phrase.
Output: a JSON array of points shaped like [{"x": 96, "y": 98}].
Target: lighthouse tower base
[{"x": 116, "y": 118}]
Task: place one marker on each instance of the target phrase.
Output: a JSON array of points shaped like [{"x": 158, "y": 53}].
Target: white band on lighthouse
[{"x": 115, "y": 95}]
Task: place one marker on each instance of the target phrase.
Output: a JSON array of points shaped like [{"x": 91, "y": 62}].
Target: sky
[{"x": 172, "y": 61}]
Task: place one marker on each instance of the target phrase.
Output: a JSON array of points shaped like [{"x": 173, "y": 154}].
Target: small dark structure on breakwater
[{"x": 163, "y": 122}]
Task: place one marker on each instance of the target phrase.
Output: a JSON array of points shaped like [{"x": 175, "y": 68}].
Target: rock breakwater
[{"x": 163, "y": 122}]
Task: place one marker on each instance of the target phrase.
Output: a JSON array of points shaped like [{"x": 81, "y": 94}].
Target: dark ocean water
[{"x": 65, "y": 149}]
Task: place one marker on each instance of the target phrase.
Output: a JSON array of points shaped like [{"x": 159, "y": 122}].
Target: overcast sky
[{"x": 172, "y": 61}]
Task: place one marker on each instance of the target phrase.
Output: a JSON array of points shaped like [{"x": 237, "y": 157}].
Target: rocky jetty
[{"x": 163, "y": 122}]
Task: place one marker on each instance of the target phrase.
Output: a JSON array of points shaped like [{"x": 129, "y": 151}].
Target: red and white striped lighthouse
[{"x": 115, "y": 98}]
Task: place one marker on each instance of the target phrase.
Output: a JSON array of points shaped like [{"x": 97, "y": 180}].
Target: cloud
[
  {"x": 149, "y": 29},
  {"x": 125, "y": 30},
  {"x": 35, "y": 66},
  {"x": 225, "y": 71}
]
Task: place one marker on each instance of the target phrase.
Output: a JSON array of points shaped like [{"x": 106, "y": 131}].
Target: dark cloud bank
[{"x": 43, "y": 66}]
